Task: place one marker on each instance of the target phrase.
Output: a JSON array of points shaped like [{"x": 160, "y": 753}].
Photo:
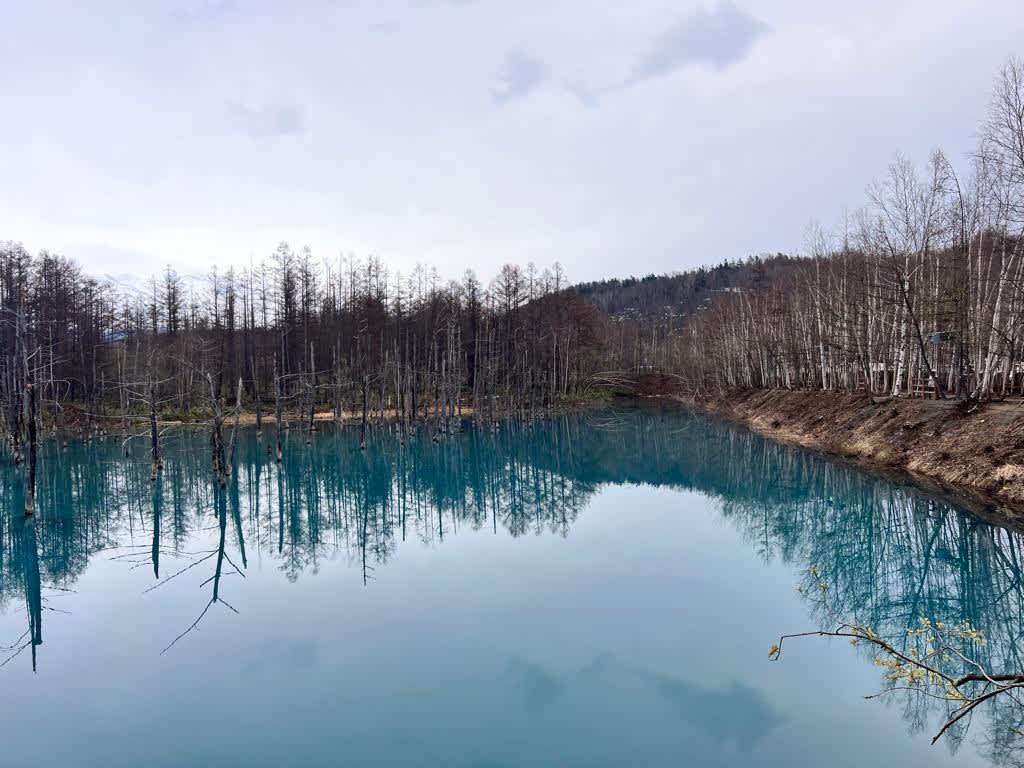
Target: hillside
[{"x": 683, "y": 292}]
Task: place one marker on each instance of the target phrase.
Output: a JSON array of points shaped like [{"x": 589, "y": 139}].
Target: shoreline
[
  {"x": 77, "y": 423},
  {"x": 971, "y": 455}
]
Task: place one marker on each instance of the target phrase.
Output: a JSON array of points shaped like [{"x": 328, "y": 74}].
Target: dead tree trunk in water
[
  {"x": 278, "y": 413},
  {"x": 366, "y": 412},
  {"x": 217, "y": 434},
  {"x": 311, "y": 393},
  {"x": 234, "y": 428},
  {"x": 413, "y": 393},
  {"x": 338, "y": 414},
  {"x": 156, "y": 462},
  {"x": 257, "y": 402},
  {"x": 16, "y": 387},
  {"x": 30, "y": 470}
]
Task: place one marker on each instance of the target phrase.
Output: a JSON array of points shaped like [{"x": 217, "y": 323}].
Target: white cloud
[
  {"x": 270, "y": 120},
  {"x": 720, "y": 37},
  {"x": 520, "y": 74},
  {"x": 208, "y": 142}
]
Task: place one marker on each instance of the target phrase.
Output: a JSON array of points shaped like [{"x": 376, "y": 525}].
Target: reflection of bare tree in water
[
  {"x": 33, "y": 636},
  {"x": 889, "y": 554},
  {"x": 221, "y": 555},
  {"x": 33, "y": 589},
  {"x": 158, "y": 503}
]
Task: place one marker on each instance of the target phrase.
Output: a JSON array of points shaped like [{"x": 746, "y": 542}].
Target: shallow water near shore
[{"x": 599, "y": 588}]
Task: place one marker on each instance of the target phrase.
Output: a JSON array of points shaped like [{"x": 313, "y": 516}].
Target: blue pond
[{"x": 596, "y": 589}]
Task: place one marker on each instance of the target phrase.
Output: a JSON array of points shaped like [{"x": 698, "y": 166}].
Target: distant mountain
[{"x": 130, "y": 285}]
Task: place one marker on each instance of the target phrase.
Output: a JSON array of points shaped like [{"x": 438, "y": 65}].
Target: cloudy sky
[{"x": 617, "y": 138}]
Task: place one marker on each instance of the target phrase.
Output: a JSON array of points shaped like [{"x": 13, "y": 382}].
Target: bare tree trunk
[
  {"x": 311, "y": 384},
  {"x": 278, "y": 413},
  {"x": 234, "y": 429},
  {"x": 30, "y": 469},
  {"x": 366, "y": 412},
  {"x": 217, "y": 433},
  {"x": 257, "y": 402},
  {"x": 156, "y": 462}
]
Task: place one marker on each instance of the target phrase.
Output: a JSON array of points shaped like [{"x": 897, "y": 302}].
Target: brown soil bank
[{"x": 974, "y": 448}]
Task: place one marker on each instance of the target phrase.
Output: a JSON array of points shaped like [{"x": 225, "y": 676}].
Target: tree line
[
  {"x": 290, "y": 336},
  {"x": 920, "y": 292}
]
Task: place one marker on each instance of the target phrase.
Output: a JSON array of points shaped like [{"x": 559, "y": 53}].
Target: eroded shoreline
[{"x": 974, "y": 452}]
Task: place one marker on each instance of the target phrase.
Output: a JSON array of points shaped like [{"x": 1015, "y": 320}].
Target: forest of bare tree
[
  {"x": 920, "y": 292},
  {"x": 289, "y": 337}
]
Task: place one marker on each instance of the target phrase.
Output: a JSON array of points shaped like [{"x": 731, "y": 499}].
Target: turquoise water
[{"x": 598, "y": 590}]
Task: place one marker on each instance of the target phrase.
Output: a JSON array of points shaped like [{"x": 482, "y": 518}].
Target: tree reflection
[
  {"x": 220, "y": 556},
  {"x": 25, "y": 549},
  {"x": 889, "y": 552}
]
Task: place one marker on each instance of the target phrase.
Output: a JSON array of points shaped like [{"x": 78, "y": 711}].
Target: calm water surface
[{"x": 598, "y": 590}]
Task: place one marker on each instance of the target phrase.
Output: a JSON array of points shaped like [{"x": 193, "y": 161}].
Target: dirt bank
[{"x": 976, "y": 449}]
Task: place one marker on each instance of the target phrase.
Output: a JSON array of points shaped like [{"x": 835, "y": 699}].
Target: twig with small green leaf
[{"x": 923, "y": 667}]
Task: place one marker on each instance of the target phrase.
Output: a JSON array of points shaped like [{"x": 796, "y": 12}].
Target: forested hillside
[
  {"x": 921, "y": 291},
  {"x": 654, "y": 296}
]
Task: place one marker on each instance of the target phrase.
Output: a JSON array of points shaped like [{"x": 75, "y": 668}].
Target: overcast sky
[{"x": 616, "y": 138}]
